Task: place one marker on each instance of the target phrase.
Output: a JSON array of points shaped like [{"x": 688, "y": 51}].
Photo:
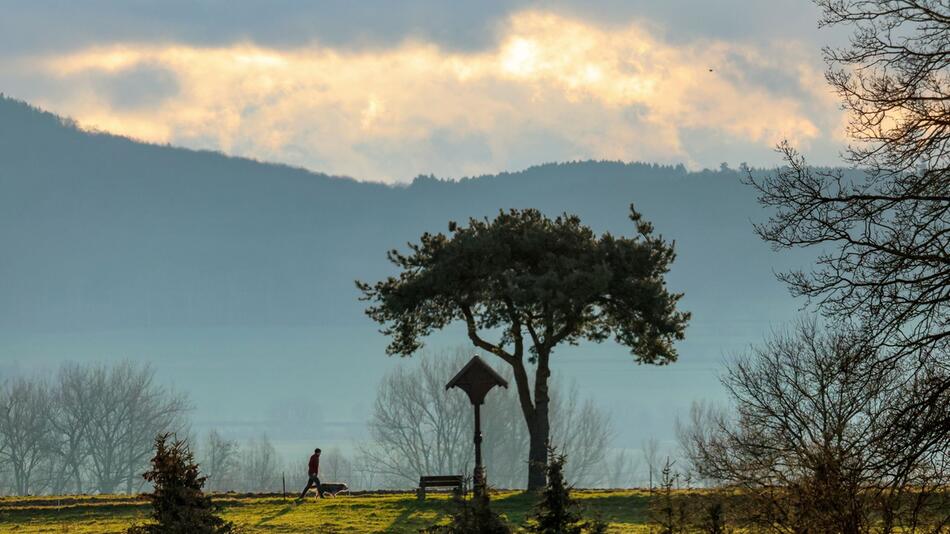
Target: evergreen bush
[{"x": 179, "y": 505}]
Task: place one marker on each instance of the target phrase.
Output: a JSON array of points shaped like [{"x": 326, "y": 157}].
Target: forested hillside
[
  {"x": 99, "y": 231},
  {"x": 118, "y": 249}
]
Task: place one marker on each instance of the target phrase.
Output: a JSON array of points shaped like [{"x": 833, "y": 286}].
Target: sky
[{"x": 385, "y": 91}]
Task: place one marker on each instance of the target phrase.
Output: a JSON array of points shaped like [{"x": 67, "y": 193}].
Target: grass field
[{"x": 400, "y": 513}]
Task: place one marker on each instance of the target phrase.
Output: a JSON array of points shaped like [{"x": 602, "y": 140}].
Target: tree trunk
[
  {"x": 78, "y": 478},
  {"x": 539, "y": 427},
  {"x": 18, "y": 480},
  {"x": 539, "y": 434}
]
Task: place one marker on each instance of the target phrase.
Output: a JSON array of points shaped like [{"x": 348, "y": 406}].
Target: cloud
[
  {"x": 553, "y": 87},
  {"x": 136, "y": 87},
  {"x": 57, "y": 25}
]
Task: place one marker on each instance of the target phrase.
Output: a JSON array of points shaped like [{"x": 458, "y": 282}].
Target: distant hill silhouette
[
  {"x": 99, "y": 231},
  {"x": 236, "y": 276}
]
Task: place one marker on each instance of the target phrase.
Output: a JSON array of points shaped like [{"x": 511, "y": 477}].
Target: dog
[{"x": 332, "y": 489}]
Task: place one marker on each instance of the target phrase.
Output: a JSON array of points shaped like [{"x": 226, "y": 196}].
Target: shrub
[
  {"x": 179, "y": 506},
  {"x": 667, "y": 509},
  {"x": 472, "y": 517},
  {"x": 713, "y": 519},
  {"x": 596, "y": 526},
  {"x": 556, "y": 512}
]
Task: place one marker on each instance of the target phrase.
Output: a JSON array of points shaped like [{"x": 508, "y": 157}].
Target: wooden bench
[{"x": 440, "y": 481}]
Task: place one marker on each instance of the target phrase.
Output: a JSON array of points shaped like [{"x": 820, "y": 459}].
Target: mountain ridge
[
  {"x": 152, "y": 206},
  {"x": 115, "y": 249}
]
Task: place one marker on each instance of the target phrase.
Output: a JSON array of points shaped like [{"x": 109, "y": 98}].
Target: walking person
[{"x": 313, "y": 478}]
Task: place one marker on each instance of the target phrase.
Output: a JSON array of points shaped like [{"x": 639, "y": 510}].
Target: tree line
[
  {"x": 417, "y": 429},
  {"x": 90, "y": 428},
  {"x": 87, "y": 428}
]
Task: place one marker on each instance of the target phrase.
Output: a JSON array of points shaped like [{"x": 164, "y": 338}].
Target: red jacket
[{"x": 314, "y": 467}]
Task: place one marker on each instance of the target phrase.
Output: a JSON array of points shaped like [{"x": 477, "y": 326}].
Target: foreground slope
[{"x": 395, "y": 513}]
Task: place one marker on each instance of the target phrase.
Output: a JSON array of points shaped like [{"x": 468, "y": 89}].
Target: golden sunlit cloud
[{"x": 553, "y": 88}]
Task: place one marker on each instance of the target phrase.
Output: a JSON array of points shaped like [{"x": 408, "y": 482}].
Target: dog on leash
[{"x": 332, "y": 489}]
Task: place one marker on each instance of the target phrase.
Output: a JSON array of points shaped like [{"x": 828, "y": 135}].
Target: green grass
[{"x": 398, "y": 513}]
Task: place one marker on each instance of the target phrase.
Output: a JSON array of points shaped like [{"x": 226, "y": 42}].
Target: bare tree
[
  {"x": 335, "y": 466},
  {"x": 72, "y": 411},
  {"x": 893, "y": 78},
  {"x": 5, "y": 484},
  {"x": 26, "y": 434},
  {"x": 620, "y": 469},
  {"x": 815, "y": 439},
  {"x": 583, "y": 431},
  {"x": 154, "y": 410},
  {"x": 885, "y": 261},
  {"x": 108, "y": 427},
  {"x": 884, "y": 229},
  {"x": 420, "y": 429},
  {"x": 220, "y": 460},
  {"x": 130, "y": 410},
  {"x": 92, "y": 421},
  {"x": 260, "y": 466},
  {"x": 651, "y": 456},
  {"x": 416, "y": 427},
  {"x": 364, "y": 474}
]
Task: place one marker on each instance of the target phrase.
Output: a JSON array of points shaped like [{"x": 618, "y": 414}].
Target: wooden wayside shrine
[{"x": 476, "y": 379}]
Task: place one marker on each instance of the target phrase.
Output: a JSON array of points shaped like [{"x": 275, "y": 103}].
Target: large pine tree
[{"x": 535, "y": 283}]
